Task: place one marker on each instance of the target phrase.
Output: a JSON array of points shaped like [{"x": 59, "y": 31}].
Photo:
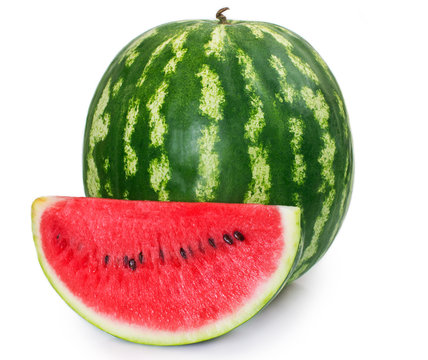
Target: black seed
[
  {"x": 183, "y": 253},
  {"x": 227, "y": 239},
  {"x": 211, "y": 242},
  {"x": 132, "y": 264},
  {"x": 106, "y": 259},
  {"x": 161, "y": 255},
  {"x": 141, "y": 257},
  {"x": 57, "y": 236},
  {"x": 125, "y": 261},
  {"x": 238, "y": 236}
]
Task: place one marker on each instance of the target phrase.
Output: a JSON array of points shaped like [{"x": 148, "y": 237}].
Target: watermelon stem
[{"x": 221, "y": 17}]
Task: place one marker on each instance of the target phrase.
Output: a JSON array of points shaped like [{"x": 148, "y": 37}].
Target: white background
[{"x": 366, "y": 299}]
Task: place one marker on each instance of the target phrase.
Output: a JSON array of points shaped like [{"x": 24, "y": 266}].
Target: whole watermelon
[{"x": 223, "y": 111}]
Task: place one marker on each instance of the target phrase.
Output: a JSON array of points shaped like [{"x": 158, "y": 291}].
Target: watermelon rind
[
  {"x": 265, "y": 293},
  {"x": 248, "y": 112}
]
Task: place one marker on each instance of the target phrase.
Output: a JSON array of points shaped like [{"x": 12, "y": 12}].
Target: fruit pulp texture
[{"x": 166, "y": 266}]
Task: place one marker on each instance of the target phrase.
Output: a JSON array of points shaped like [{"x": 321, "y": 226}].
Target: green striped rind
[
  {"x": 265, "y": 292},
  {"x": 247, "y": 112},
  {"x": 211, "y": 106}
]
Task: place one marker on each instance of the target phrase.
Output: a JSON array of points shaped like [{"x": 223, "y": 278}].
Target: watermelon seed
[
  {"x": 161, "y": 255},
  {"x": 125, "y": 261},
  {"x": 140, "y": 257},
  {"x": 57, "y": 236},
  {"x": 227, "y": 239},
  {"x": 201, "y": 249},
  {"x": 183, "y": 253},
  {"x": 106, "y": 259},
  {"x": 238, "y": 236},
  {"x": 211, "y": 242},
  {"x": 132, "y": 264}
]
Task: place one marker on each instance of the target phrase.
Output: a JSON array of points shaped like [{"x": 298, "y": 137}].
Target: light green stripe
[
  {"x": 340, "y": 104},
  {"x": 297, "y": 201},
  {"x": 283, "y": 29},
  {"x": 131, "y": 52},
  {"x": 341, "y": 111},
  {"x": 260, "y": 184},
  {"x": 152, "y": 58},
  {"x": 130, "y": 158},
  {"x": 216, "y": 45},
  {"x": 296, "y": 127},
  {"x": 326, "y": 160},
  {"x": 208, "y": 167},
  {"x": 343, "y": 200},
  {"x": 302, "y": 268},
  {"x": 320, "y": 61},
  {"x": 302, "y": 66},
  {"x": 177, "y": 47},
  {"x": 257, "y": 32},
  {"x": 159, "y": 168},
  {"x": 106, "y": 164},
  {"x": 212, "y": 97},
  {"x": 131, "y": 58},
  {"x": 211, "y": 106},
  {"x": 256, "y": 123},
  {"x": 319, "y": 226},
  {"x": 279, "y": 38},
  {"x": 160, "y": 174},
  {"x": 157, "y": 122},
  {"x": 260, "y": 171},
  {"x": 107, "y": 188},
  {"x": 117, "y": 86},
  {"x": 318, "y": 105},
  {"x": 287, "y": 91},
  {"x": 98, "y": 132},
  {"x": 321, "y": 112}
]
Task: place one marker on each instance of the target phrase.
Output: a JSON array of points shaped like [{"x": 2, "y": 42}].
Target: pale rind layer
[
  {"x": 266, "y": 291},
  {"x": 247, "y": 112}
]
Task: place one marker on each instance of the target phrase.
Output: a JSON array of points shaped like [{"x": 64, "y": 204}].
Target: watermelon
[
  {"x": 165, "y": 273},
  {"x": 230, "y": 112}
]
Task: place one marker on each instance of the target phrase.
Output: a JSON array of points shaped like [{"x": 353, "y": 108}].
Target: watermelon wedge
[{"x": 165, "y": 273}]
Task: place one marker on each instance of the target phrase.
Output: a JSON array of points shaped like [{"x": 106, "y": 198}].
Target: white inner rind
[{"x": 264, "y": 293}]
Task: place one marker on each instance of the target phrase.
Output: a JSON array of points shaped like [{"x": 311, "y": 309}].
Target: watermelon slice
[{"x": 165, "y": 272}]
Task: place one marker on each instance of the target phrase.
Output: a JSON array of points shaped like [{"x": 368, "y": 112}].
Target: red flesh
[{"x": 173, "y": 294}]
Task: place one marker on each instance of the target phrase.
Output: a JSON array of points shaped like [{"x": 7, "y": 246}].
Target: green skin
[{"x": 185, "y": 121}]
